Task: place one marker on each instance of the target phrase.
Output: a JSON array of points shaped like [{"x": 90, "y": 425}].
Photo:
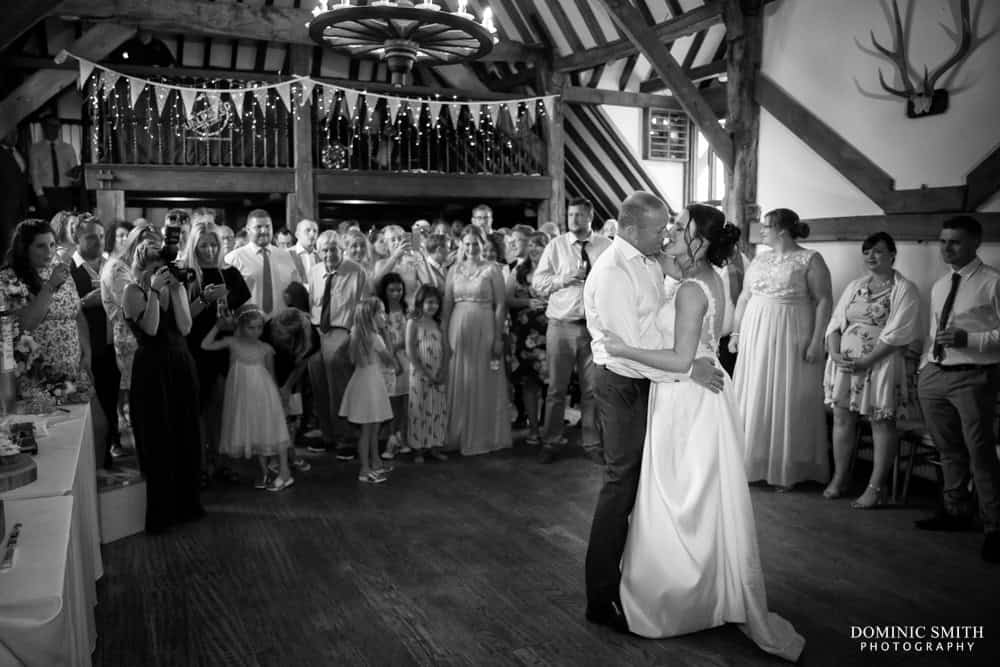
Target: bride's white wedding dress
[{"x": 691, "y": 560}]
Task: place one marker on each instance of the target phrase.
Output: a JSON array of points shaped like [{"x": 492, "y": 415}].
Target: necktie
[
  {"x": 55, "y": 164},
  {"x": 949, "y": 302},
  {"x": 324, "y": 311},
  {"x": 267, "y": 296},
  {"x": 584, "y": 257}
]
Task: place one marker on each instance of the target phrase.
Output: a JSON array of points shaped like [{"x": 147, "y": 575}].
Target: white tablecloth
[
  {"x": 66, "y": 467},
  {"x": 45, "y": 618}
]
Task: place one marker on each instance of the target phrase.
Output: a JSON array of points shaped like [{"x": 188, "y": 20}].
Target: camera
[{"x": 169, "y": 252}]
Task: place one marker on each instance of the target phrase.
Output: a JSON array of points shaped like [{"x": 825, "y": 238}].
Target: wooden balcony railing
[{"x": 159, "y": 132}]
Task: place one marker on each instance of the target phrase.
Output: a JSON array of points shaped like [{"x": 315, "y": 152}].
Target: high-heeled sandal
[{"x": 879, "y": 499}]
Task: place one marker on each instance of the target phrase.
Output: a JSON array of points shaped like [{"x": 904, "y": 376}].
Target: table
[
  {"x": 45, "y": 618},
  {"x": 67, "y": 469}
]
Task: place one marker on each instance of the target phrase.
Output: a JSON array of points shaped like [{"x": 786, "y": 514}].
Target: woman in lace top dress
[
  {"x": 779, "y": 326},
  {"x": 475, "y": 310}
]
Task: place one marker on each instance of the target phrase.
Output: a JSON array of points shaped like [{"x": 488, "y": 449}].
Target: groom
[{"x": 623, "y": 295}]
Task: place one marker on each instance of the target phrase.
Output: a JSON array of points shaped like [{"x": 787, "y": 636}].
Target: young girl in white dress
[
  {"x": 253, "y": 419},
  {"x": 366, "y": 397}
]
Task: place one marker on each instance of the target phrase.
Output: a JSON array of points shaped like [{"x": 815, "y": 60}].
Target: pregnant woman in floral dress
[{"x": 866, "y": 374}]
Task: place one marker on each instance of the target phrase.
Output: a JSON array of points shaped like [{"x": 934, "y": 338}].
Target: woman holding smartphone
[{"x": 212, "y": 289}]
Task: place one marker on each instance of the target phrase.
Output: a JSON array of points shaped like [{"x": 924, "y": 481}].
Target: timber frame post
[
  {"x": 301, "y": 204},
  {"x": 744, "y": 43},
  {"x": 554, "y": 207}
]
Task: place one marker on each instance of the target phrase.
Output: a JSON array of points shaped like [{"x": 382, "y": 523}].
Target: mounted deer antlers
[{"x": 927, "y": 100}]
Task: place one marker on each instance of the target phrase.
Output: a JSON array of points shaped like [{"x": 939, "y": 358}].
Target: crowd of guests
[{"x": 214, "y": 345}]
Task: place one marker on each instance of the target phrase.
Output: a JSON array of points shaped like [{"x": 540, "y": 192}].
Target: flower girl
[{"x": 253, "y": 420}]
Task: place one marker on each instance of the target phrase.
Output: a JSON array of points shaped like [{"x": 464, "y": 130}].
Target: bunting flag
[
  {"x": 161, "y": 95},
  {"x": 86, "y": 67},
  {"x": 109, "y": 79},
  {"x": 214, "y": 99},
  {"x": 135, "y": 88},
  {"x": 238, "y": 97},
  {"x": 434, "y": 112},
  {"x": 188, "y": 96},
  {"x": 260, "y": 94},
  {"x": 392, "y": 106},
  {"x": 307, "y": 89},
  {"x": 284, "y": 94},
  {"x": 350, "y": 102}
]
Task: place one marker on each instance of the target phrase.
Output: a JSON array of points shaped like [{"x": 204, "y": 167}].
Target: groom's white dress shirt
[{"x": 623, "y": 294}]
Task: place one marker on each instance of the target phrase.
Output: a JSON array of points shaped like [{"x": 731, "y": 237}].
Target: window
[{"x": 666, "y": 136}]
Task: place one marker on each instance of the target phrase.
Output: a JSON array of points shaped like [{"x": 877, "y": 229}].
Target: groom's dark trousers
[{"x": 621, "y": 412}]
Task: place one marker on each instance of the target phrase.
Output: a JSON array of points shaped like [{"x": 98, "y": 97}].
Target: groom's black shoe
[{"x": 610, "y": 615}]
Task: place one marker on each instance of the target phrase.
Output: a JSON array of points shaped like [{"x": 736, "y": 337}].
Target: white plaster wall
[
  {"x": 815, "y": 50},
  {"x": 668, "y": 176}
]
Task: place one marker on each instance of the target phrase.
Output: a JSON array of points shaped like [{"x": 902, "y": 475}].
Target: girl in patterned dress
[
  {"x": 428, "y": 404},
  {"x": 392, "y": 293},
  {"x": 366, "y": 397}
]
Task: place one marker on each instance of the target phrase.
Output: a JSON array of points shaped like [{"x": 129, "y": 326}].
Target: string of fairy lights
[{"x": 345, "y": 114}]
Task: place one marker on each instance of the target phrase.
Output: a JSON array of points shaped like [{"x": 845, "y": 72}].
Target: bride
[{"x": 691, "y": 560}]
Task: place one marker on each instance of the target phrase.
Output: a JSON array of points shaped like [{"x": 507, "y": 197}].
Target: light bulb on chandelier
[{"x": 403, "y": 33}]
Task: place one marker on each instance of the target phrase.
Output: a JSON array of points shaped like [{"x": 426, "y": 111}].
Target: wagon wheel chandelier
[{"x": 402, "y": 33}]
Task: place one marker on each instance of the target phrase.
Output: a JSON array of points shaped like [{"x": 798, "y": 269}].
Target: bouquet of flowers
[{"x": 39, "y": 386}]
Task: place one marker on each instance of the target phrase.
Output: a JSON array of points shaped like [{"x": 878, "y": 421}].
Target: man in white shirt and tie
[
  {"x": 336, "y": 285},
  {"x": 52, "y": 162},
  {"x": 267, "y": 269},
  {"x": 304, "y": 250},
  {"x": 559, "y": 277},
  {"x": 958, "y": 383},
  {"x": 623, "y": 296}
]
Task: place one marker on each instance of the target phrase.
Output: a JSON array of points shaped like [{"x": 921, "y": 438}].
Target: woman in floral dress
[
  {"x": 46, "y": 305},
  {"x": 528, "y": 365},
  {"x": 876, "y": 319}
]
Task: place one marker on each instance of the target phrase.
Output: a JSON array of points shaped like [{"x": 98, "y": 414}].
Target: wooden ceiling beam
[
  {"x": 688, "y": 23},
  {"x": 715, "y": 97},
  {"x": 232, "y": 20},
  {"x": 695, "y": 74},
  {"x": 40, "y": 87},
  {"x": 648, "y": 41},
  {"x": 19, "y": 17}
]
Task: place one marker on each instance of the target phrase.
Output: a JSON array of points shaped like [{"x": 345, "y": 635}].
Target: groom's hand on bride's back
[{"x": 707, "y": 374}]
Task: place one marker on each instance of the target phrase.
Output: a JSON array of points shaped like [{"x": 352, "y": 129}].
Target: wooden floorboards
[{"x": 480, "y": 562}]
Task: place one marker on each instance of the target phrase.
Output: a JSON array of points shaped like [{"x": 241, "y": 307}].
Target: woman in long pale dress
[
  {"x": 474, "y": 313},
  {"x": 779, "y": 327},
  {"x": 691, "y": 560}
]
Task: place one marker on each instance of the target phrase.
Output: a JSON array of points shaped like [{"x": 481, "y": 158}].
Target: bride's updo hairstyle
[
  {"x": 788, "y": 220},
  {"x": 711, "y": 225}
]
